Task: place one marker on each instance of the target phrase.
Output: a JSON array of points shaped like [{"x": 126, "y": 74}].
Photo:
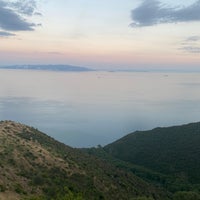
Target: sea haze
[{"x": 85, "y": 109}]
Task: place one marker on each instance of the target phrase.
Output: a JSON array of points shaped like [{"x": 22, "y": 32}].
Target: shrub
[{"x": 183, "y": 195}]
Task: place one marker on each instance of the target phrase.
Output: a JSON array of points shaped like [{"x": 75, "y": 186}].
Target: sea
[{"x": 86, "y": 109}]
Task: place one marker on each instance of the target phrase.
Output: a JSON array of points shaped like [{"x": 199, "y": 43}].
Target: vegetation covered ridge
[
  {"x": 166, "y": 156},
  {"x": 35, "y": 166}
]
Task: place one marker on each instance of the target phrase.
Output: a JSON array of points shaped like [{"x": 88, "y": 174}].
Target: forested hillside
[{"x": 35, "y": 166}]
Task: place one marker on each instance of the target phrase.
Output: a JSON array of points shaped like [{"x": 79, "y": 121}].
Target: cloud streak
[
  {"x": 191, "y": 49},
  {"x": 11, "y": 21},
  {"x": 6, "y": 34},
  {"x": 13, "y": 15},
  {"x": 152, "y": 12},
  {"x": 191, "y": 44},
  {"x": 26, "y": 7},
  {"x": 194, "y": 38}
]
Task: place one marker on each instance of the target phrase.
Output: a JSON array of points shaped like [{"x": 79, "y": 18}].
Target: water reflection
[{"x": 86, "y": 109}]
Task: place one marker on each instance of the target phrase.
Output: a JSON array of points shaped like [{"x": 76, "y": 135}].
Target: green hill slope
[
  {"x": 173, "y": 151},
  {"x": 35, "y": 166}
]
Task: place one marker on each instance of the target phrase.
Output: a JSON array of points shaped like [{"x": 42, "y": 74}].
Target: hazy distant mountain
[
  {"x": 66, "y": 68},
  {"x": 33, "y": 166}
]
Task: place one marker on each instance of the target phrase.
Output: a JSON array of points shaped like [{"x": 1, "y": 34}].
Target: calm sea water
[{"x": 90, "y": 108}]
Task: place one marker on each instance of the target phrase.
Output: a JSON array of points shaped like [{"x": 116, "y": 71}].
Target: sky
[{"x": 105, "y": 34}]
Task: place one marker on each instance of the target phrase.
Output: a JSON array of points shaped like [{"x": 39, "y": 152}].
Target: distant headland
[{"x": 66, "y": 68}]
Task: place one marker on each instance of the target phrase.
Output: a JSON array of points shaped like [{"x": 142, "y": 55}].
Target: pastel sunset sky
[{"x": 101, "y": 34}]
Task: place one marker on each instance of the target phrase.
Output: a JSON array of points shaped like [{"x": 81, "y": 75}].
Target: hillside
[
  {"x": 35, "y": 166},
  {"x": 172, "y": 151}
]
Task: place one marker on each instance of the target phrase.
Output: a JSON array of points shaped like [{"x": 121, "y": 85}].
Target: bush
[
  {"x": 142, "y": 198},
  {"x": 2, "y": 188},
  {"x": 186, "y": 196}
]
